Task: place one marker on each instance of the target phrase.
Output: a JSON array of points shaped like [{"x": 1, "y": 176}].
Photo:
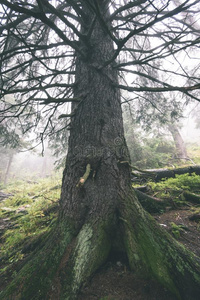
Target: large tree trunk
[{"x": 100, "y": 213}]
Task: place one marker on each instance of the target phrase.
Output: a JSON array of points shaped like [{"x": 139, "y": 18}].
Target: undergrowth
[
  {"x": 173, "y": 188},
  {"x": 31, "y": 210},
  {"x": 176, "y": 230},
  {"x": 26, "y": 216},
  {"x": 193, "y": 150}
]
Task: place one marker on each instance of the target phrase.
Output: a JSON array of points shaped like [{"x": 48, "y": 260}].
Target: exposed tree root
[
  {"x": 195, "y": 217},
  {"x": 152, "y": 249},
  {"x": 33, "y": 280},
  {"x": 90, "y": 251},
  {"x": 151, "y": 204},
  {"x": 69, "y": 258}
]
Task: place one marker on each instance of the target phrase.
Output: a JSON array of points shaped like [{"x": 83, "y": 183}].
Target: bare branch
[{"x": 158, "y": 89}]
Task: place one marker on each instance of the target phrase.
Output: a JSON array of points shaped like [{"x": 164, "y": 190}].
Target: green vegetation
[
  {"x": 176, "y": 230},
  {"x": 31, "y": 211},
  {"x": 194, "y": 152},
  {"x": 173, "y": 188},
  {"x": 27, "y": 215},
  {"x": 149, "y": 151},
  {"x": 156, "y": 152}
]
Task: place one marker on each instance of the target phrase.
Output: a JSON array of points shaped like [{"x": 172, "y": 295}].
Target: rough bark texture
[
  {"x": 97, "y": 137},
  {"x": 102, "y": 214}
]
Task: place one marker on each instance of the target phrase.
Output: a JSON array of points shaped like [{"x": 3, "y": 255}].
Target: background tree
[
  {"x": 150, "y": 122},
  {"x": 158, "y": 110},
  {"x": 10, "y": 143},
  {"x": 181, "y": 152},
  {"x": 58, "y": 52},
  {"x": 149, "y": 149},
  {"x": 195, "y": 114}
]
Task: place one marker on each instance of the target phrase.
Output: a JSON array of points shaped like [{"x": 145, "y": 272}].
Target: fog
[
  {"x": 30, "y": 165},
  {"x": 26, "y": 166},
  {"x": 189, "y": 132}
]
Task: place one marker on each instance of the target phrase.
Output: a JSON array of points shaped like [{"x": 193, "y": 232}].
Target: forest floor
[{"x": 114, "y": 281}]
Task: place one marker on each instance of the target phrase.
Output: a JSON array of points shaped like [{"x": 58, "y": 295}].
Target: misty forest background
[
  {"x": 141, "y": 56},
  {"x": 152, "y": 145}
]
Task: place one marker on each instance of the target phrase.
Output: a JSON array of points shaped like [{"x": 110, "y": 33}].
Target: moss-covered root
[
  {"x": 64, "y": 264},
  {"x": 152, "y": 250},
  {"x": 34, "y": 279},
  {"x": 92, "y": 247}
]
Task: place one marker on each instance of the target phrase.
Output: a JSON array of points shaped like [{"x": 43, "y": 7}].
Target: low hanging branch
[
  {"x": 85, "y": 176},
  {"x": 72, "y": 114},
  {"x": 157, "y": 89},
  {"x": 57, "y": 100},
  {"x": 66, "y": 116}
]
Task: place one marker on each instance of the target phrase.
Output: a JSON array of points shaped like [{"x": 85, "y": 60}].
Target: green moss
[
  {"x": 176, "y": 230},
  {"x": 32, "y": 211},
  {"x": 143, "y": 248},
  {"x": 36, "y": 276},
  {"x": 160, "y": 256},
  {"x": 82, "y": 251},
  {"x": 92, "y": 249},
  {"x": 173, "y": 188}
]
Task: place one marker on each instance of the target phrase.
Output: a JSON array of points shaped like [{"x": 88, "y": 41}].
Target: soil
[{"x": 114, "y": 281}]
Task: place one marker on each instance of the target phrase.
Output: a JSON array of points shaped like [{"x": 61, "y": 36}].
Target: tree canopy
[{"x": 155, "y": 41}]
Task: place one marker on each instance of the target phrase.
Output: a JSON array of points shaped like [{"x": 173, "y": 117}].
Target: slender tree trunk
[
  {"x": 100, "y": 212},
  {"x": 181, "y": 151},
  {"x": 43, "y": 171},
  {"x": 8, "y": 168}
]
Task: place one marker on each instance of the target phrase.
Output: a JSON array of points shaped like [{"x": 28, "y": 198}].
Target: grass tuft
[{"x": 25, "y": 216}]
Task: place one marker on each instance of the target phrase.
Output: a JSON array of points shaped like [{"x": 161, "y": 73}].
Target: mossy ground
[
  {"x": 172, "y": 189},
  {"x": 26, "y": 217},
  {"x": 42, "y": 214}
]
